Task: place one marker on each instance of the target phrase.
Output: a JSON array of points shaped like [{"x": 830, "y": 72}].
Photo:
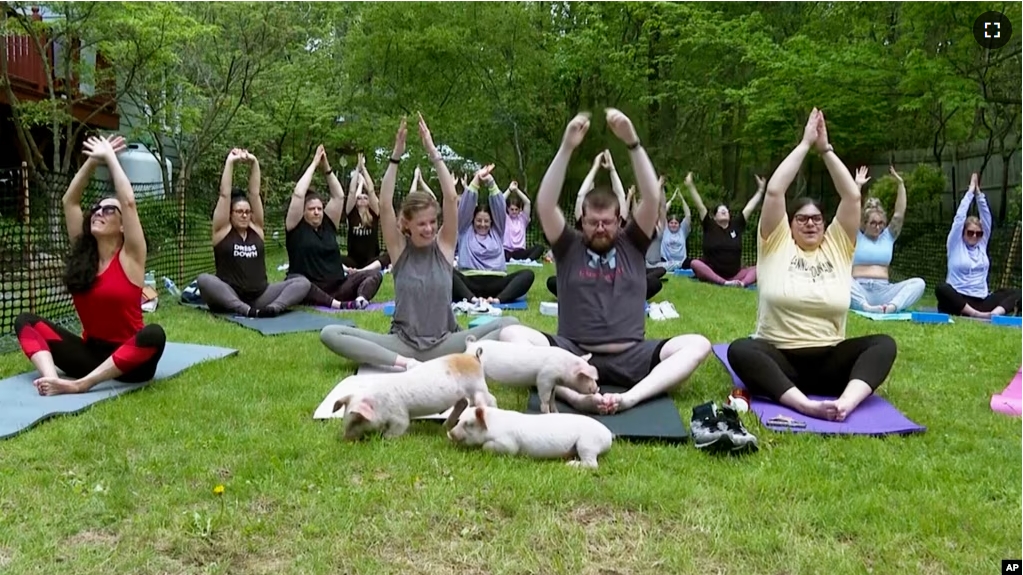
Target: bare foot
[
  {"x": 996, "y": 312},
  {"x": 55, "y": 386},
  {"x": 843, "y": 409},
  {"x": 592, "y": 403},
  {"x": 827, "y": 410},
  {"x": 733, "y": 283},
  {"x": 493, "y": 300},
  {"x": 614, "y": 403}
]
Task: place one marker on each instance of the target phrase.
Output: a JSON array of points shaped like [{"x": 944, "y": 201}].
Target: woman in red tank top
[{"x": 105, "y": 273}]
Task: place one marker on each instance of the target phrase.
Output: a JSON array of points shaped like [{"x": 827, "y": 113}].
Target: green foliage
[{"x": 925, "y": 186}]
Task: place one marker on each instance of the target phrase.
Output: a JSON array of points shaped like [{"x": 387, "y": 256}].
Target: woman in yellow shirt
[{"x": 804, "y": 273}]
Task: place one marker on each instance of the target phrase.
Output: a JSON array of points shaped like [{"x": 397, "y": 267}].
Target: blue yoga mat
[
  {"x": 21, "y": 406},
  {"x": 288, "y": 322}
]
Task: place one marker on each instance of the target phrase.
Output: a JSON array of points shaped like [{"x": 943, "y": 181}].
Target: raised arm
[
  {"x": 646, "y": 176},
  {"x": 587, "y": 184},
  {"x": 687, "y": 215},
  {"x": 134, "y": 251},
  {"x": 297, "y": 205},
  {"x": 527, "y": 204},
  {"x": 394, "y": 240},
  {"x": 498, "y": 209},
  {"x": 850, "y": 208},
  {"x": 552, "y": 221},
  {"x": 616, "y": 186},
  {"x": 469, "y": 201},
  {"x": 354, "y": 185},
  {"x": 74, "y": 218},
  {"x": 773, "y": 211},
  {"x": 899, "y": 215},
  {"x": 448, "y": 233},
  {"x": 701, "y": 210},
  {"x": 336, "y": 204},
  {"x": 222, "y": 211},
  {"x": 255, "y": 196},
  {"x": 986, "y": 223},
  {"x": 367, "y": 181},
  {"x": 751, "y": 205}
]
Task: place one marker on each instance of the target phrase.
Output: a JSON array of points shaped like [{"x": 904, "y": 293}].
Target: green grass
[{"x": 127, "y": 487}]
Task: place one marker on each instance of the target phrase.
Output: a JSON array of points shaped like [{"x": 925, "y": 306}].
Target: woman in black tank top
[
  {"x": 362, "y": 209},
  {"x": 240, "y": 285},
  {"x": 721, "y": 260}
]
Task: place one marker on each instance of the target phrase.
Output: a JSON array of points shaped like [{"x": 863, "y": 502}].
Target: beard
[{"x": 600, "y": 243}]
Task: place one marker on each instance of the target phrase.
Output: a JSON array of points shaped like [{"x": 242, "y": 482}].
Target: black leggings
[
  {"x": 363, "y": 284},
  {"x": 653, "y": 282},
  {"x": 506, "y": 288},
  {"x": 769, "y": 372},
  {"x": 532, "y": 253},
  {"x": 359, "y": 263},
  {"x": 136, "y": 358},
  {"x": 952, "y": 302}
]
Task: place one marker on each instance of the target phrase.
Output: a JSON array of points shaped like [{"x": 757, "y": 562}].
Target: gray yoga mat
[
  {"x": 656, "y": 419},
  {"x": 288, "y": 322},
  {"x": 21, "y": 406}
]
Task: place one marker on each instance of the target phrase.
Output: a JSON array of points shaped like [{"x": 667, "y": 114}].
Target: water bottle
[
  {"x": 150, "y": 280},
  {"x": 171, "y": 288}
]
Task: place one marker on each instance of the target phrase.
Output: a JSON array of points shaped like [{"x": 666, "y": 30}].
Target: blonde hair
[
  {"x": 873, "y": 206},
  {"x": 365, "y": 216},
  {"x": 414, "y": 203},
  {"x": 974, "y": 220}
]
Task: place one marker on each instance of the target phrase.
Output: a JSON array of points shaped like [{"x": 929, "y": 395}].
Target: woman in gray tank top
[{"x": 423, "y": 326}]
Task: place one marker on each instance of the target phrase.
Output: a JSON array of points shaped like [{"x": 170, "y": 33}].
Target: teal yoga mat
[{"x": 21, "y": 406}]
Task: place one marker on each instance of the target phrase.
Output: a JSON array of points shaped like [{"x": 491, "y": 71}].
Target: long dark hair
[
  {"x": 801, "y": 202},
  {"x": 82, "y": 264}
]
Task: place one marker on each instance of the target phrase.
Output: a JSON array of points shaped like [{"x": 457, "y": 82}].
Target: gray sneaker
[{"x": 719, "y": 430}]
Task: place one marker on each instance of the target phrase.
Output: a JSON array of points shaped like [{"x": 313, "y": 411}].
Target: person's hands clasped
[
  {"x": 576, "y": 131},
  {"x": 103, "y": 148},
  {"x": 621, "y": 126}
]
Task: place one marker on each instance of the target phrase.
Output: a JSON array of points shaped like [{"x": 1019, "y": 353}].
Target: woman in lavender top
[
  {"x": 518, "y": 206},
  {"x": 965, "y": 291},
  {"x": 481, "y": 259}
]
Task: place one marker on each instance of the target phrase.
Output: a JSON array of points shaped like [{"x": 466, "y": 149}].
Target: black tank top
[
  {"x": 315, "y": 254},
  {"x": 241, "y": 263},
  {"x": 363, "y": 242}
]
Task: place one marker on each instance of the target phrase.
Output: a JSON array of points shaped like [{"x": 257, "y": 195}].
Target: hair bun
[{"x": 873, "y": 203}]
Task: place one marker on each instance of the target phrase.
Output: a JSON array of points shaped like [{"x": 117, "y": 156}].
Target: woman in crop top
[
  {"x": 871, "y": 290},
  {"x": 311, "y": 240},
  {"x": 965, "y": 291},
  {"x": 518, "y": 208},
  {"x": 800, "y": 346},
  {"x": 423, "y": 326},
  {"x": 240, "y": 285},
  {"x": 481, "y": 274},
  {"x": 105, "y": 272},
  {"x": 721, "y": 261},
  {"x": 363, "y": 213}
]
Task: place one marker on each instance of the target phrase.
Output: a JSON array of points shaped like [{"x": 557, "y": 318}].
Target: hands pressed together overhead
[{"x": 104, "y": 148}]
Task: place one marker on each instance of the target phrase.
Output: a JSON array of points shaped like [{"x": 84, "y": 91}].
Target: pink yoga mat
[
  {"x": 875, "y": 416},
  {"x": 373, "y": 306},
  {"x": 1010, "y": 401}
]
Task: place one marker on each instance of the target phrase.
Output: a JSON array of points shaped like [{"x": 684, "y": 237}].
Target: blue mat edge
[{"x": 124, "y": 390}]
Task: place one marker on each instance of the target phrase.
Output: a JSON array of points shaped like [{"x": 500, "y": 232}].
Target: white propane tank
[{"x": 143, "y": 171}]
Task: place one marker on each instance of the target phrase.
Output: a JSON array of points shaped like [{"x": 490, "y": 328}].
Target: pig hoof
[{"x": 579, "y": 463}]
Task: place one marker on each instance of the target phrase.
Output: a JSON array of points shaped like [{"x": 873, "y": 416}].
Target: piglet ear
[
  {"x": 363, "y": 409},
  {"x": 586, "y": 357},
  {"x": 480, "y": 419},
  {"x": 456, "y": 413},
  {"x": 341, "y": 403}
]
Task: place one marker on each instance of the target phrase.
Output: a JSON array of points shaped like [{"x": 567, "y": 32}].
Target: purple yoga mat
[
  {"x": 875, "y": 416},
  {"x": 373, "y": 306}
]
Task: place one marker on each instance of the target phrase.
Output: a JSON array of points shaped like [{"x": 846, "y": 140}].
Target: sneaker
[
  {"x": 361, "y": 302},
  {"x": 668, "y": 310},
  {"x": 720, "y": 430},
  {"x": 655, "y": 311}
]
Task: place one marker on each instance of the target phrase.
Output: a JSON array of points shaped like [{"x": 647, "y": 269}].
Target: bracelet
[
  {"x": 633, "y": 146},
  {"x": 830, "y": 149},
  {"x": 329, "y": 171},
  {"x": 394, "y": 161}
]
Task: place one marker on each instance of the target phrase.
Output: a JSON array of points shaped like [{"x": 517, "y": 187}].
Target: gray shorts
[{"x": 624, "y": 369}]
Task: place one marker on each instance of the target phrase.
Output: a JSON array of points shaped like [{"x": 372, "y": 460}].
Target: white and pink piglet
[
  {"x": 524, "y": 365},
  {"x": 578, "y": 438},
  {"x": 388, "y": 401}
]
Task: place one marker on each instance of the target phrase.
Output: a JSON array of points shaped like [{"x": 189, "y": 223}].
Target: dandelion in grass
[{"x": 218, "y": 490}]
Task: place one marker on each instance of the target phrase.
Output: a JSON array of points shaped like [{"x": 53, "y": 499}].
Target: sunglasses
[
  {"x": 974, "y": 233},
  {"x": 105, "y": 210}
]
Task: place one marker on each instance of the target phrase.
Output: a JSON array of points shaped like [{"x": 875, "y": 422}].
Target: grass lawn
[{"x": 128, "y": 486}]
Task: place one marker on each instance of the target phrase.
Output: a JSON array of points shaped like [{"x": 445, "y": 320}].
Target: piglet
[
  {"x": 525, "y": 365},
  {"x": 388, "y": 401},
  {"x": 578, "y": 438}
]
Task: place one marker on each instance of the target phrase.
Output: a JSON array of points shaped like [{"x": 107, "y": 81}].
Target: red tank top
[{"x": 112, "y": 310}]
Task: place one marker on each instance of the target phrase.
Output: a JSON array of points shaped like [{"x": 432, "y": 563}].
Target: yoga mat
[
  {"x": 875, "y": 416},
  {"x": 683, "y": 272},
  {"x": 373, "y": 306},
  {"x": 519, "y": 304},
  {"x": 288, "y": 322},
  {"x": 1010, "y": 401},
  {"x": 326, "y": 407},
  {"x": 480, "y": 320},
  {"x": 656, "y": 419},
  {"x": 696, "y": 279},
  {"x": 525, "y": 263},
  {"x": 902, "y": 316},
  {"x": 21, "y": 406}
]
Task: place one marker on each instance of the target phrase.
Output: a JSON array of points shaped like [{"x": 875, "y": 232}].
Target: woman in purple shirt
[
  {"x": 518, "y": 206},
  {"x": 965, "y": 291},
  {"x": 481, "y": 248}
]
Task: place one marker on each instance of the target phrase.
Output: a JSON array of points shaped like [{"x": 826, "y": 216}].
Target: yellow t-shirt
[{"x": 804, "y": 296}]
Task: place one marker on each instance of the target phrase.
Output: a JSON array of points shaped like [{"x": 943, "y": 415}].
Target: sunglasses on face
[
  {"x": 803, "y": 219},
  {"x": 974, "y": 233},
  {"x": 105, "y": 210}
]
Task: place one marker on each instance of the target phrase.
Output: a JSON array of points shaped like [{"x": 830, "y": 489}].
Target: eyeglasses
[
  {"x": 877, "y": 224},
  {"x": 974, "y": 233},
  {"x": 105, "y": 210},
  {"x": 801, "y": 219},
  {"x": 243, "y": 212},
  {"x": 599, "y": 223}
]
